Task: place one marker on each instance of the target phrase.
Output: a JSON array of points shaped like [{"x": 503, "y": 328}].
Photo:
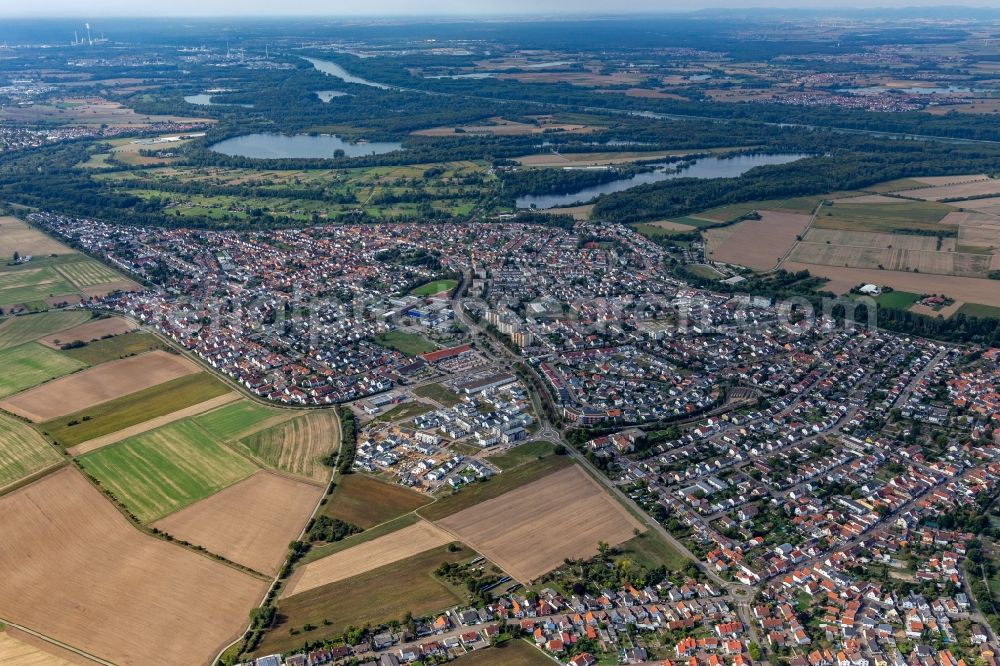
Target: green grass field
[
  {"x": 409, "y": 344},
  {"x": 366, "y": 501},
  {"x": 480, "y": 492},
  {"x": 897, "y": 300},
  {"x": 508, "y": 653},
  {"x": 435, "y": 287},
  {"x": 374, "y": 597},
  {"x": 134, "y": 408},
  {"x": 87, "y": 273},
  {"x": 31, "y": 364},
  {"x": 650, "y": 551},
  {"x": 111, "y": 349},
  {"x": 18, "y": 330},
  {"x": 884, "y": 217},
  {"x": 26, "y": 285},
  {"x": 522, "y": 454},
  {"x": 159, "y": 472},
  {"x": 237, "y": 419},
  {"x": 407, "y": 410},
  {"x": 22, "y": 451},
  {"x": 297, "y": 445},
  {"x": 438, "y": 393},
  {"x": 978, "y": 310}
]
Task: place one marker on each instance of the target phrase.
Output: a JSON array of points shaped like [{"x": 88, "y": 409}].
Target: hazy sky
[{"x": 93, "y": 8}]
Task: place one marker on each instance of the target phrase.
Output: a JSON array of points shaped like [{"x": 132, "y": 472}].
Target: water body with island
[
  {"x": 705, "y": 167},
  {"x": 301, "y": 146}
]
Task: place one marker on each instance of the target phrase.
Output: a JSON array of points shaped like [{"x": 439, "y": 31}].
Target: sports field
[
  {"x": 159, "y": 472},
  {"x": 250, "y": 522},
  {"x": 530, "y": 531},
  {"x": 434, "y": 287},
  {"x": 297, "y": 446},
  {"x": 31, "y": 364},
  {"x": 74, "y": 569},
  {"x": 22, "y": 451},
  {"x": 134, "y": 408},
  {"x": 15, "y": 331},
  {"x": 365, "y": 501},
  {"x": 96, "y": 385}
]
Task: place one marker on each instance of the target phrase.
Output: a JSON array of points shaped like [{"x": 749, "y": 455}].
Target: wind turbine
[{"x": 89, "y": 40}]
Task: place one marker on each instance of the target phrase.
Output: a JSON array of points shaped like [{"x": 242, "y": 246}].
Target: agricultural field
[
  {"x": 86, "y": 273},
  {"x": 32, "y": 282},
  {"x": 118, "y": 347},
  {"x": 22, "y": 451},
  {"x": 965, "y": 289},
  {"x": 882, "y": 217},
  {"x": 366, "y": 501},
  {"x": 563, "y": 515},
  {"x": 151, "y": 424},
  {"x": 88, "y": 330},
  {"x": 18, "y": 648},
  {"x": 17, "y": 236},
  {"x": 297, "y": 446},
  {"x": 250, "y": 522},
  {"x": 509, "y": 480},
  {"x": 96, "y": 385},
  {"x": 15, "y": 331},
  {"x": 133, "y": 409},
  {"x": 974, "y": 187},
  {"x": 435, "y": 287},
  {"x": 87, "y": 111},
  {"x": 373, "y": 597},
  {"x": 66, "y": 547},
  {"x": 29, "y": 365},
  {"x": 240, "y": 419},
  {"x": 164, "y": 470},
  {"x": 759, "y": 244},
  {"x": 728, "y": 213},
  {"x": 408, "y": 344},
  {"x": 364, "y": 557}
]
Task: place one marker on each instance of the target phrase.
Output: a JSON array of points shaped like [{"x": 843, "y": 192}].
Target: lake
[
  {"x": 333, "y": 69},
  {"x": 284, "y": 146},
  {"x": 204, "y": 99},
  {"x": 705, "y": 167}
]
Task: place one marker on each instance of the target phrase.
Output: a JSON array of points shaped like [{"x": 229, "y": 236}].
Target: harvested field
[
  {"x": 19, "y": 648},
  {"x": 896, "y": 259},
  {"x": 365, "y": 501},
  {"x": 251, "y": 522},
  {"x": 161, "y": 471},
  {"x": 99, "y": 384},
  {"x": 883, "y": 218},
  {"x": 759, "y": 244},
  {"x": 26, "y": 328},
  {"x": 530, "y": 531},
  {"x": 869, "y": 240},
  {"x": 374, "y": 597},
  {"x": 91, "y": 330},
  {"x": 398, "y": 545},
  {"x": 576, "y": 212},
  {"x": 297, "y": 446},
  {"x": 938, "y": 181},
  {"x": 152, "y": 424},
  {"x": 29, "y": 365},
  {"x": 134, "y": 408},
  {"x": 106, "y": 288},
  {"x": 975, "y": 188},
  {"x": 76, "y": 570},
  {"x": 22, "y": 452},
  {"x": 988, "y": 206},
  {"x": 968, "y": 290},
  {"x": 16, "y": 236},
  {"x": 984, "y": 233}
]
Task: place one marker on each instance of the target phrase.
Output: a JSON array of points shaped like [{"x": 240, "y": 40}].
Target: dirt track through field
[
  {"x": 98, "y": 384},
  {"x": 75, "y": 570},
  {"x": 529, "y": 531},
  {"x": 250, "y": 523},
  {"x": 152, "y": 424},
  {"x": 366, "y": 556}
]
